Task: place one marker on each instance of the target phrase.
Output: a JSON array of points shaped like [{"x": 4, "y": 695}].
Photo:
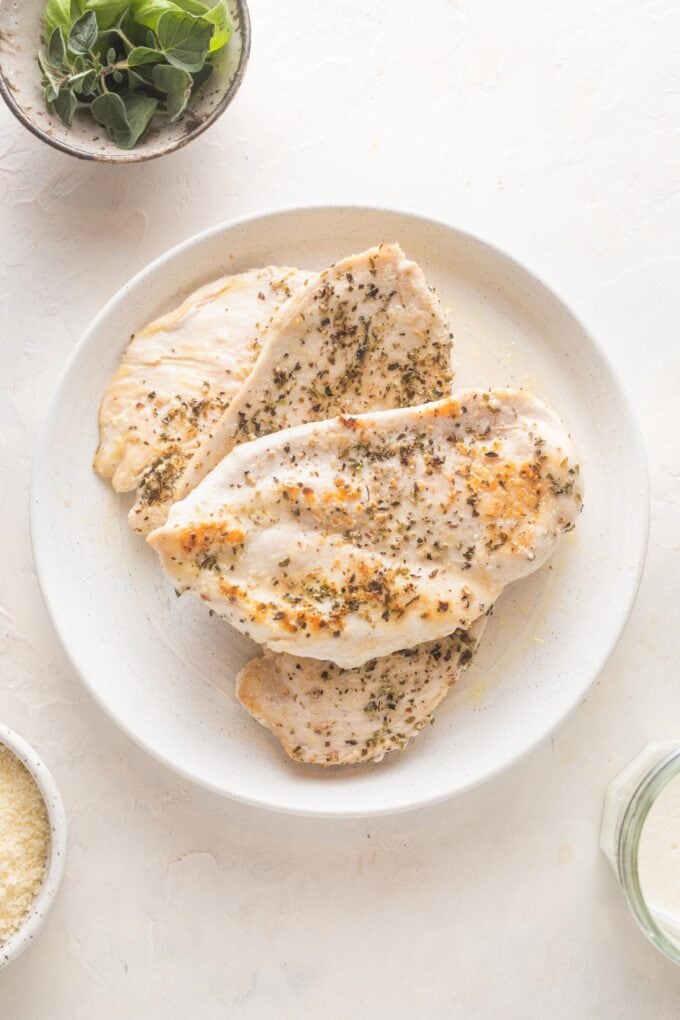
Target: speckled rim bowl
[
  {"x": 35, "y": 918},
  {"x": 20, "y": 38}
]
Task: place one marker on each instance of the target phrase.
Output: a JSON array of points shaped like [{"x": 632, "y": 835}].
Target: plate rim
[{"x": 40, "y": 456}]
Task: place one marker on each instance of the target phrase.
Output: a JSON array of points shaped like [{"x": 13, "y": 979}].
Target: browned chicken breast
[
  {"x": 369, "y": 334},
  {"x": 359, "y": 536}
]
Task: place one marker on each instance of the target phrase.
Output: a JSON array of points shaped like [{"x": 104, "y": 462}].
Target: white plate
[{"x": 164, "y": 669}]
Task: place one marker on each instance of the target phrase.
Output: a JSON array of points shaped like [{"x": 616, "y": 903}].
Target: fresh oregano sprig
[{"x": 127, "y": 62}]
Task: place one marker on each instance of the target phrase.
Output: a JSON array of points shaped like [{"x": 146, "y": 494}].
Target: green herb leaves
[
  {"x": 140, "y": 55},
  {"x": 84, "y": 82},
  {"x": 126, "y": 116},
  {"x": 83, "y": 34},
  {"x": 184, "y": 39},
  {"x": 177, "y": 85},
  {"x": 219, "y": 16},
  {"x": 56, "y": 50},
  {"x": 126, "y": 61},
  {"x": 108, "y": 12},
  {"x": 139, "y": 110},
  {"x": 65, "y": 106},
  {"x": 109, "y": 110},
  {"x": 149, "y": 13},
  {"x": 57, "y": 15}
]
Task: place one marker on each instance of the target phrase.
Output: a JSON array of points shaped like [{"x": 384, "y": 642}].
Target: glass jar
[{"x": 629, "y": 799}]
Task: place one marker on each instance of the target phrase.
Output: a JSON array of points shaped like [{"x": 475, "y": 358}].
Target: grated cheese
[{"x": 24, "y": 842}]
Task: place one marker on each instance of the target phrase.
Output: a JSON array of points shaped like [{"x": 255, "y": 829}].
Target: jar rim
[{"x": 630, "y": 831}]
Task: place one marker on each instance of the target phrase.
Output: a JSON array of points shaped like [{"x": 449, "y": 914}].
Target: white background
[{"x": 553, "y": 129}]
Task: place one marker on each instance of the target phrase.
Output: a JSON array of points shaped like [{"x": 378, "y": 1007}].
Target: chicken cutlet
[
  {"x": 325, "y": 715},
  {"x": 362, "y": 535},
  {"x": 370, "y": 334},
  {"x": 179, "y": 375}
]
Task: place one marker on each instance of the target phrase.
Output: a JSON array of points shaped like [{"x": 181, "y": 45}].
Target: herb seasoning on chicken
[
  {"x": 176, "y": 379},
  {"x": 370, "y": 334},
  {"x": 326, "y": 715},
  {"x": 359, "y": 536}
]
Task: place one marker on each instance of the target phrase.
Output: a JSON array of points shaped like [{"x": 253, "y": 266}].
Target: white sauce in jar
[
  {"x": 645, "y": 851},
  {"x": 659, "y": 859}
]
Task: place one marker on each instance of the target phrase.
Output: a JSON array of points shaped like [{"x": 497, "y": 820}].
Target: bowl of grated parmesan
[{"x": 32, "y": 844}]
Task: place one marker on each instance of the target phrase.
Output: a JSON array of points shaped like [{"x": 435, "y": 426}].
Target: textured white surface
[{"x": 554, "y": 130}]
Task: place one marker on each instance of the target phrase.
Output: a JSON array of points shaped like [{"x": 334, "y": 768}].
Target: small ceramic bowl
[
  {"x": 20, "y": 39},
  {"x": 35, "y": 918}
]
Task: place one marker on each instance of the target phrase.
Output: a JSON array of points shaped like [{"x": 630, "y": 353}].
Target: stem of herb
[{"x": 126, "y": 41}]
